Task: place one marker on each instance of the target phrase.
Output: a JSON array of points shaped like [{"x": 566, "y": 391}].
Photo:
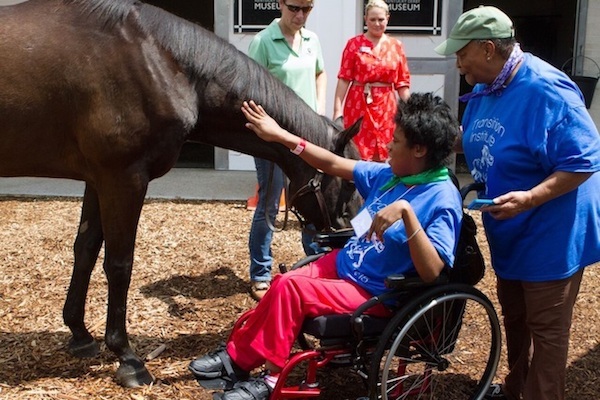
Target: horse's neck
[{"x": 229, "y": 132}]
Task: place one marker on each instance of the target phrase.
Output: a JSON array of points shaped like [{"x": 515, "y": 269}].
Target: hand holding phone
[{"x": 478, "y": 204}]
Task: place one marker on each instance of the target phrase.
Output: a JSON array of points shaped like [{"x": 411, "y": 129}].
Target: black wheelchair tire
[{"x": 392, "y": 349}]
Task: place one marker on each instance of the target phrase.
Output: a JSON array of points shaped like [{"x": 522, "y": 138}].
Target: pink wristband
[{"x": 299, "y": 148}]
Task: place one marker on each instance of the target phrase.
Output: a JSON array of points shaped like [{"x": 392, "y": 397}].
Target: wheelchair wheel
[{"x": 444, "y": 344}]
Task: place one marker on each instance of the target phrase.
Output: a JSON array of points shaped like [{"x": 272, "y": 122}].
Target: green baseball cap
[{"x": 483, "y": 22}]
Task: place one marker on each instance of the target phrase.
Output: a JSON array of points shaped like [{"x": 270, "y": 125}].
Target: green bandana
[{"x": 432, "y": 175}]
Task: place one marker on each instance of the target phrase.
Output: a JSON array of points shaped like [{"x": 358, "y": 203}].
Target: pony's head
[{"x": 326, "y": 201}]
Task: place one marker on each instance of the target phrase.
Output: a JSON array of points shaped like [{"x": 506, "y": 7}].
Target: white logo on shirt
[{"x": 357, "y": 250}]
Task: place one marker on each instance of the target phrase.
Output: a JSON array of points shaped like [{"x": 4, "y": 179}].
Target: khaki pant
[{"x": 537, "y": 320}]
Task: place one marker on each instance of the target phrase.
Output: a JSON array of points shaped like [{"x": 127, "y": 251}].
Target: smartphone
[{"x": 478, "y": 204}]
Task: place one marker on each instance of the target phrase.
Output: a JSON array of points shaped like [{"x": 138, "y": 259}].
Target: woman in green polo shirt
[{"x": 293, "y": 54}]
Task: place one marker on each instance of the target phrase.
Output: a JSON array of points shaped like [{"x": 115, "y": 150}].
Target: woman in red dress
[{"x": 373, "y": 73}]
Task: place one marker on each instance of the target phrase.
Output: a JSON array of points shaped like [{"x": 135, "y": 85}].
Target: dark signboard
[
  {"x": 254, "y": 15},
  {"x": 415, "y": 16},
  {"x": 406, "y": 16}
]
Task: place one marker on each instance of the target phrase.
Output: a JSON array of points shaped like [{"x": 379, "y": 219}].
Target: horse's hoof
[
  {"x": 84, "y": 350},
  {"x": 130, "y": 377}
]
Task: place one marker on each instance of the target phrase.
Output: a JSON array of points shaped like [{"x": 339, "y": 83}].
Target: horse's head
[{"x": 326, "y": 201}]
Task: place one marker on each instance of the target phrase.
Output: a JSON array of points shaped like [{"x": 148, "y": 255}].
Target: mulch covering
[{"x": 190, "y": 283}]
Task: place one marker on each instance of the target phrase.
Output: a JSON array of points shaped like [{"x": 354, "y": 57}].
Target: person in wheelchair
[{"x": 410, "y": 222}]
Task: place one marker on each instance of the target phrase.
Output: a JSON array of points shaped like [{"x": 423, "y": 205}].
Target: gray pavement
[{"x": 179, "y": 183}]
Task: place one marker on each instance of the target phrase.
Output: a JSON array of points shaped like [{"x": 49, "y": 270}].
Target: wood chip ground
[{"x": 190, "y": 283}]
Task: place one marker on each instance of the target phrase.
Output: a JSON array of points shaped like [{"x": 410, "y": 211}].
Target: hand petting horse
[{"x": 107, "y": 91}]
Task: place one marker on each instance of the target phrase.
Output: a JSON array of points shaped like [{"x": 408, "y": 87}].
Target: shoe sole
[
  {"x": 205, "y": 375},
  {"x": 216, "y": 384}
]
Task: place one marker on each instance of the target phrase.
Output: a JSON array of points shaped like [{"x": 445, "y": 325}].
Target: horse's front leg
[
  {"x": 86, "y": 249},
  {"x": 120, "y": 208}
]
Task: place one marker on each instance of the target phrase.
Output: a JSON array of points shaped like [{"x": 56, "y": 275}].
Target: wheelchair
[{"x": 443, "y": 340}]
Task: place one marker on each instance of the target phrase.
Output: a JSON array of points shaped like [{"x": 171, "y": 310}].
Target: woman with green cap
[{"x": 528, "y": 136}]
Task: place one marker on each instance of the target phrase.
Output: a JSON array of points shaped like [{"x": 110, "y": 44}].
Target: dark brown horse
[{"x": 107, "y": 91}]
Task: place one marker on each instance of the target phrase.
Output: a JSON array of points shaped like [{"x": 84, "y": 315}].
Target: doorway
[{"x": 545, "y": 28}]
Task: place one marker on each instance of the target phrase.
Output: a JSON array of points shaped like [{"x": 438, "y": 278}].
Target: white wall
[{"x": 333, "y": 33}]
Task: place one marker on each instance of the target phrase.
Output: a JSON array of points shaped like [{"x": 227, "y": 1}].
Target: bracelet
[
  {"x": 299, "y": 148},
  {"x": 414, "y": 234}
]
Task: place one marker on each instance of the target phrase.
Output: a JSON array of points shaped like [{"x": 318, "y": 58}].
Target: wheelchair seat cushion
[{"x": 339, "y": 326}]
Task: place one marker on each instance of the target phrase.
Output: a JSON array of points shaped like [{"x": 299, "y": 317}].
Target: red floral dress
[{"x": 361, "y": 64}]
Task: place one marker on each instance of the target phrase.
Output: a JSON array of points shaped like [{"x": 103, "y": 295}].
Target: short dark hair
[{"x": 427, "y": 120}]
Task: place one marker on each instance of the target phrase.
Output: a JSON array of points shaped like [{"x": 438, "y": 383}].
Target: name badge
[
  {"x": 365, "y": 49},
  {"x": 361, "y": 223}
]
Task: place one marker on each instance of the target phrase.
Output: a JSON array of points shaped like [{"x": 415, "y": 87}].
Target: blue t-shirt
[
  {"x": 438, "y": 207},
  {"x": 513, "y": 141}
]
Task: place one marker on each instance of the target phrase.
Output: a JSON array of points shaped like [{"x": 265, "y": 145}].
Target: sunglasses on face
[{"x": 296, "y": 9}]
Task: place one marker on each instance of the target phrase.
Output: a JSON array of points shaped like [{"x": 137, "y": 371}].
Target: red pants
[
  {"x": 270, "y": 332},
  {"x": 537, "y": 320}
]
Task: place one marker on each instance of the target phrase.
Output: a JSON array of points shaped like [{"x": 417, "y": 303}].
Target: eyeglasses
[{"x": 296, "y": 9}]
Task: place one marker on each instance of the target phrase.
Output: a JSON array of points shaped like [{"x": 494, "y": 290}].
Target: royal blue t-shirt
[
  {"x": 513, "y": 141},
  {"x": 438, "y": 207}
]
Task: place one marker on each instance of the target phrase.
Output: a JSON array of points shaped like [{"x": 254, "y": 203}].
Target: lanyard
[{"x": 377, "y": 199}]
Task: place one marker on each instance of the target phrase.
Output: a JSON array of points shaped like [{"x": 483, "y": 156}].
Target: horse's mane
[{"x": 208, "y": 58}]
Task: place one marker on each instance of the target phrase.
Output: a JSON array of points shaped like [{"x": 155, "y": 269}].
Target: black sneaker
[
  {"x": 217, "y": 364},
  {"x": 253, "y": 389}
]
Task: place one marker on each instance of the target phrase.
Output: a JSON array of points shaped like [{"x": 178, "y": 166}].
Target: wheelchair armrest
[
  {"x": 335, "y": 240},
  {"x": 356, "y": 320},
  {"x": 402, "y": 282}
]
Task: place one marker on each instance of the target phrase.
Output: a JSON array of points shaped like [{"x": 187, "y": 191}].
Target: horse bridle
[{"x": 312, "y": 186}]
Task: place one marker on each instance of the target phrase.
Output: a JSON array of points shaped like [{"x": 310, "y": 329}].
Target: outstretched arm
[{"x": 269, "y": 130}]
